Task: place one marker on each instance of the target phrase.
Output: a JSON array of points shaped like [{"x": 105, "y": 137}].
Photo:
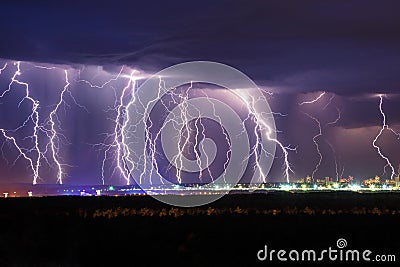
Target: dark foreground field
[{"x": 139, "y": 231}]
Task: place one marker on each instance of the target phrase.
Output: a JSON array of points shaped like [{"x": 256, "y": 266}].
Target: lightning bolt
[
  {"x": 335, "y": 158},
  {"x": 385, "y": 126},
  {"x": 186, "y": 139},
  {"x": 331, "y": 146},
  {"x": 49, "y": 127},
  {"x": 119, "y": 141},
  {"x": 22, "y": 151},
  {"x": 313, "y": 100},
  {"x": 149, "y": 142},
  {"x": 263, "y": 127},
  {"x": 33, "y": 117},
  {"x": 342, "y": 172},
  {"x": 54, "y": 141},
  {"x": 329, "y": 102},
  {"x": 113, "y": 145},
  {"x": 337, "y": 165},
  {"x": 108, "y": 82},
  {"x": 228, "y": 141},
  {"x": 318, "y": 135},
  {"x": 3, "y": 68},
  {"x": 181, "y": 123},
  {"x": 53, "y": 133},
  {"x": 188, "y": 123}
]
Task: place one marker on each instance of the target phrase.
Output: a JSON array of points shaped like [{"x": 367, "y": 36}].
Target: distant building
[
  {"x": 397, "y": 178},
  {"x": 390, "y": 182}
]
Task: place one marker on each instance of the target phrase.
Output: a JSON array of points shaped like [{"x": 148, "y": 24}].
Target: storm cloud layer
[
  {"x": 345, "y": 47},
  {"x": 294, "y": 49}
]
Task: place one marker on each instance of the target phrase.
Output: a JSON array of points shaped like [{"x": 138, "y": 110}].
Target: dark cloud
[
  {"x": 295, "y": 49},
  {"x": 341, "y": 46}
]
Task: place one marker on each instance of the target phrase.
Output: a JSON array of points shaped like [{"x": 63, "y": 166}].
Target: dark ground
[{"x": 139, "y": 231}]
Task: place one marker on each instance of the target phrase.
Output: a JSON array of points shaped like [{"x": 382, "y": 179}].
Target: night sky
[{"x": 294, "y": 49}]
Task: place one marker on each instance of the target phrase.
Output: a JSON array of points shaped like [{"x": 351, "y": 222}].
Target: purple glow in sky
[{"x": 325, "y": 59}]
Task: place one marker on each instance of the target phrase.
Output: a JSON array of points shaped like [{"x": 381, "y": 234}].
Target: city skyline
[{"x": 329, "y": 77}]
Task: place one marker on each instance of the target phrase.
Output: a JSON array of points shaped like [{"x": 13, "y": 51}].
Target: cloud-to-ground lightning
[
  {"x": 128, "y": 90},
  {"x": 331, "y": 146},
  {"x": 47, "y": 151},
  {"x": 39, "y": 151},
  {"x": 53, "y": 133},
  {"x": 315, "y": 140},
  {"x": 113, "y": 145},
  {"x": 39, "y": 139},
  {"x": 320, "y": 134},
  {"x": 184, "y": 122},
  {"x": 184, "y": 119},
  {"x": 264, "y": 127},
  {"x": 385, "y": 126},
  {"x": 335, "y": 158},
  {"x": 33, "y": 117},
  {"x": 53, "y": 136},
  {"x": 47, "y": 140}
]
